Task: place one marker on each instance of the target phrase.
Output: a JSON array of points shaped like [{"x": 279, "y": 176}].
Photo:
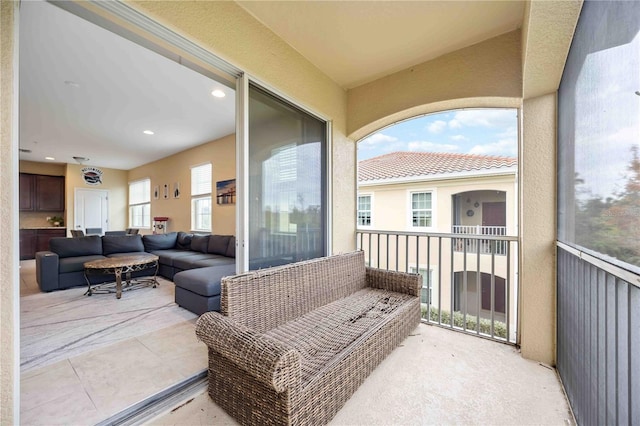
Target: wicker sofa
[{"x": 292, "y": 343}]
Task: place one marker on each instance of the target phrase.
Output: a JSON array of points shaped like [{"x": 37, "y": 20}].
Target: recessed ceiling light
[
  {"x": 218, "y": 93},
  {"x": 49, "y": 158},
  {"x": 148, "y": 132},
  {"x": 71, "y": 83}
]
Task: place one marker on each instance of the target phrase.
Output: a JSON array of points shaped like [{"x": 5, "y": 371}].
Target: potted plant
[{"x": 56, "y": 220}]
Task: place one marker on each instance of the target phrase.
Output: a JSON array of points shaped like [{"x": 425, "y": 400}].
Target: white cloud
[
  {"x": 437, "y": 126},
  {"x": 483, "y": 118},
  {"x": 375, "y": 140},
  {"x": 505, "y": 147},
  {"x": 459, "y": 138},
  {"x": 455, "y": 124},
  {"x": 431, "y": 146}
]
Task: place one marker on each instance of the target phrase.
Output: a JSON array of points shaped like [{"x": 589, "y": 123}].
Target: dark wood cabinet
[
  {"x": 41, "y": 193},
  {"x": 49, "y": 193},
  {"x": 27, "y": 192},
  {"x": 27, "y": 244},
  {"x": 35, "y": 240}
]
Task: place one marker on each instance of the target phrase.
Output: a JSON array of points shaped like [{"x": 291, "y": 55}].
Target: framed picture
[{"x": 226, "y": 191}]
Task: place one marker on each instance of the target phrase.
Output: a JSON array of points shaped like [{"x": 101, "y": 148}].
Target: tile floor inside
[{"x": 84, "y": 359}]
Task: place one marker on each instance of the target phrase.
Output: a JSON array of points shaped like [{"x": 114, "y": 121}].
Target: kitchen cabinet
[
  {"x": 35, "y": 240},
  {"x": 27, "y": 244},
  {"x": 27, "y": 192},
  {"x": 41, "y": 193}
]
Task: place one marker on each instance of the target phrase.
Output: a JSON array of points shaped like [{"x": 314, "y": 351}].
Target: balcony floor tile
[{"x": 436, "y": 377}]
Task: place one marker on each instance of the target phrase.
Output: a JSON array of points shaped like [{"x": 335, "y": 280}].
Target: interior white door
[{"x": 91, "y": 209}]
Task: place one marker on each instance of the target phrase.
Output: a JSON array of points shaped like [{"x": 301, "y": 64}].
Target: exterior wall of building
[
  {"x": 487, "y": 74},
  {"x": 391, "y": 211},
  {"x": 538, "y": 218},
  {"x": 391, "y": 204}
]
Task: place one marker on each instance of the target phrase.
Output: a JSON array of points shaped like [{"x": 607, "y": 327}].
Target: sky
[{"x": 469, "y": 131}]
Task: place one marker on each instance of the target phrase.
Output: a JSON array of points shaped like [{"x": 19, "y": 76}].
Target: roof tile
[{"x": 398, "y": 165}]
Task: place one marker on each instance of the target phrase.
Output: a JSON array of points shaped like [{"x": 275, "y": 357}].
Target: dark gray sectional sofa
[
  {"x": 179, "y": 251},
  {"x": 196, "y": 263}
]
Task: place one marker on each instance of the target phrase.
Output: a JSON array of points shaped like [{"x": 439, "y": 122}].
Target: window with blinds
[
  {"x": 140, "y": 204},
  {"x": 201, "y": 186}
]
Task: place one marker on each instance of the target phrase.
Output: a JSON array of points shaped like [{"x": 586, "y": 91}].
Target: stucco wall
[
  {"x": 177, "y": 168},
  {"x": 231, "y": 33},
  {"x": 487, "y": 74},
  {"x": 391, "y": 203},
  {"x": 9, "y": 224},
  {"x": 538, "y": 231}
]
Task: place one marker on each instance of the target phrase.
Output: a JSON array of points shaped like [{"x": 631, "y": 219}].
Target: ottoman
[{"x": 198, "y": 290}]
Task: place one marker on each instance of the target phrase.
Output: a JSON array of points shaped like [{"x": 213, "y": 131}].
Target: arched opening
[{"x": 437, "y": 195}]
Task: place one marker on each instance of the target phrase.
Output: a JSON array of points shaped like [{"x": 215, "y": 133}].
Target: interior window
[
  {"x": 201, "y": 198},
  {"x": 140, "y": 204}
]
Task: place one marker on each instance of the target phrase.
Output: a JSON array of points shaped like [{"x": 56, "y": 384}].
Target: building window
[
  {"x": 140, "y": 204},
  {"x": 364, "y": 210},
  {"x": 426, "y": 293},
  {"x": 201, "y": 198},
  {"x": 421, "y": 213}
]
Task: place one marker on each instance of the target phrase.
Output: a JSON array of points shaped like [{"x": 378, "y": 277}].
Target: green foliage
[
  {"x": 611, "y": 226},
  {"x": 499, "y": 328}
]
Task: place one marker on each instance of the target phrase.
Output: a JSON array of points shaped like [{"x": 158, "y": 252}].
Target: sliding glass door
[{"x": 287, "y": 190}]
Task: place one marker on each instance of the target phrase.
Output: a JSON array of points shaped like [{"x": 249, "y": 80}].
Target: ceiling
[
  {"x": 87, "y": 92},
  {"x": 355, "y": 42}
]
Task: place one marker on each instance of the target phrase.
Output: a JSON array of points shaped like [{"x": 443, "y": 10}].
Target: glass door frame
[{"x": 242, "y": 166}]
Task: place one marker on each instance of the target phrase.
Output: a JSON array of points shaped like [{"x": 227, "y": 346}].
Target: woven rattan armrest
[
  {"x": 400, "y": 282},
  {"x": 269, "y": 361}
]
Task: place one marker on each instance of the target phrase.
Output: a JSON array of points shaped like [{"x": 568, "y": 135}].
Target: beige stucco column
[
  {"x": 8, "y": 224},
  {"x": 538, "y": 228}
]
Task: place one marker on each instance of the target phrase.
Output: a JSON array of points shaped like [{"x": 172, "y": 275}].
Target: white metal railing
[
  {"x": 474, "y": 292},
  {"x": 486, "y": 246}
]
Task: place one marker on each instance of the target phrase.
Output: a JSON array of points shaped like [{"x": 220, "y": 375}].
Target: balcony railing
[
  {"x": 474, "y": 292},
  {"x": 486, "y": 246}
]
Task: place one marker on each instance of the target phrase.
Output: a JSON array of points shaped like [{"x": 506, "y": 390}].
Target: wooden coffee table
[{"x": 118, "y": 266}]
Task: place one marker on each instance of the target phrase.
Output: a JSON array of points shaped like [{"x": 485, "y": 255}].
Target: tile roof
[{"x": 397, "y": 165}]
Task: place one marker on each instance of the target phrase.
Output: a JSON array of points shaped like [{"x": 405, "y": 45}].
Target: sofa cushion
[
  {"x": 188, "y": 262},
  {"x": 218, "y": 244},
  {"x": 184, "y": 241},
  {"x": 203, "y": 281},
  {"x": 160, "y": 241},
  {"x": 71, "y": 247},
  {"x": 167, "y": 257},
  {"x": 231, "y": 247},
  {"x": 121, "y": 244},
  {"x": 75, "y": 263},
  {"x": 214, "y": 260},
  {"x": 200, "y": 243}
]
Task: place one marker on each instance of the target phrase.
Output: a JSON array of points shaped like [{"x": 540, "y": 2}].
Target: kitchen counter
[{"x": 44, "y": 227}]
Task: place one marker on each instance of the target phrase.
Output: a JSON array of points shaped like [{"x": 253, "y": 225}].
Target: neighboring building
[{"x": 442, "y": 193}]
